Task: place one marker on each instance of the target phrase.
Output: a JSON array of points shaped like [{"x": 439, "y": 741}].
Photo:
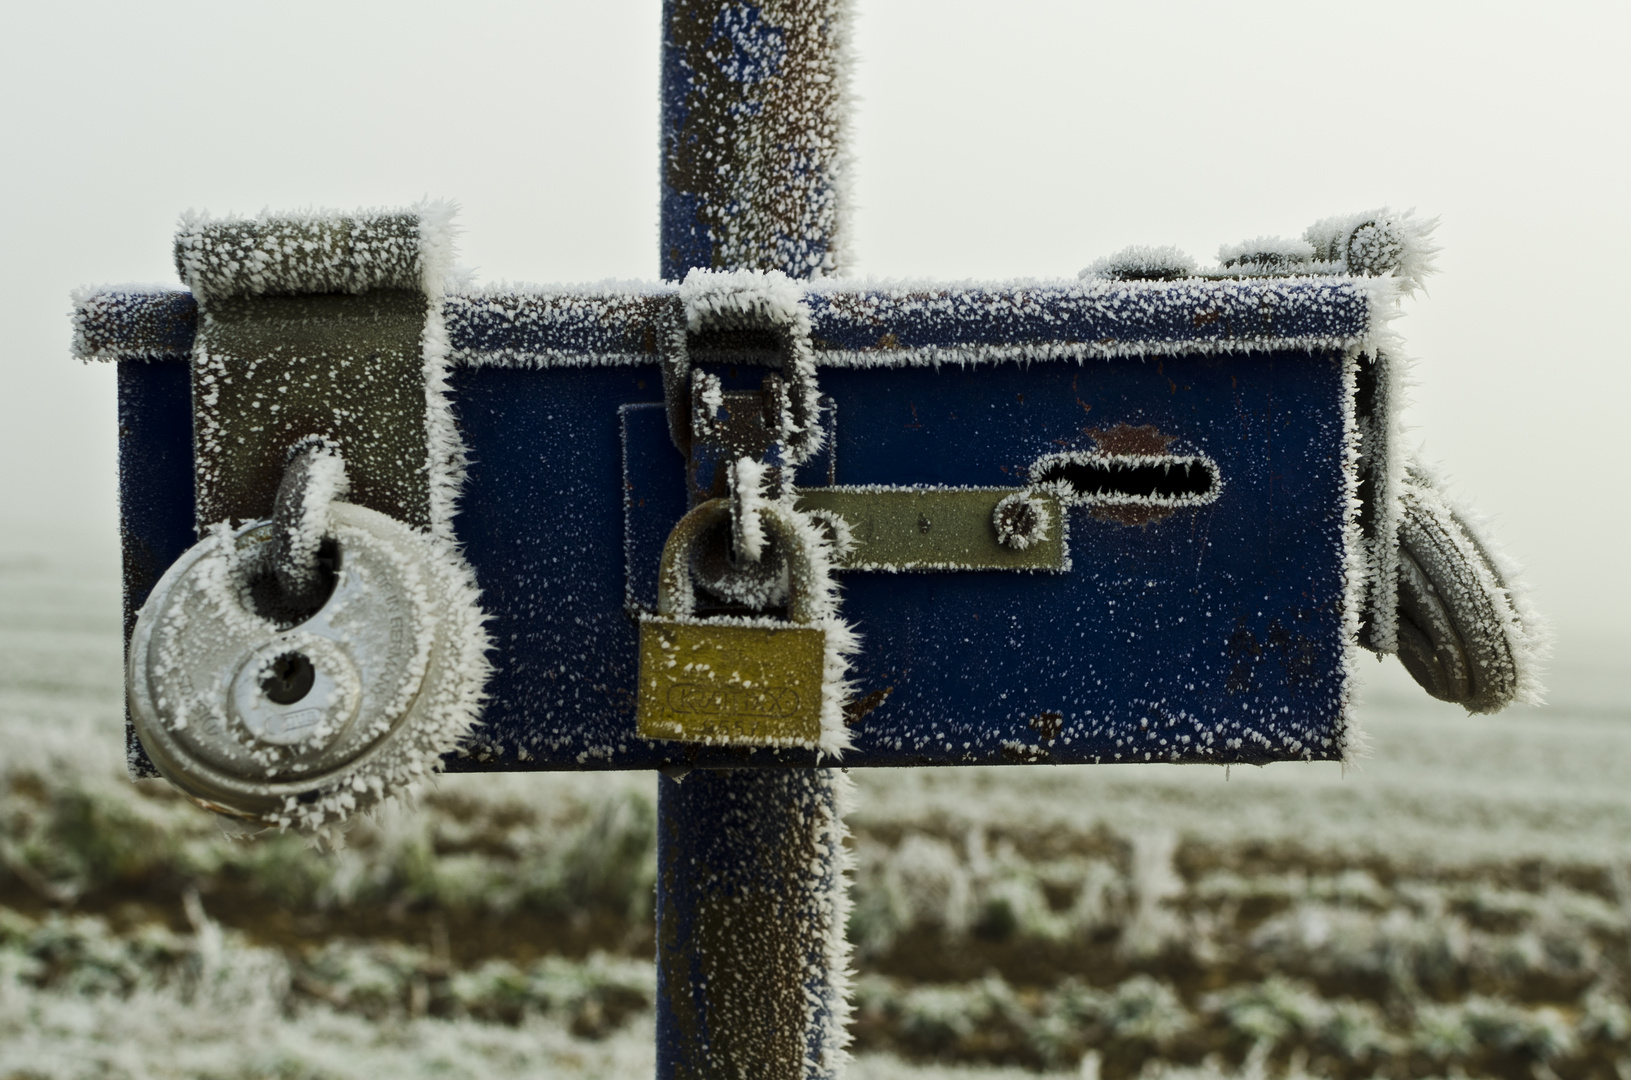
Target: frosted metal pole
[
  {"x": 751, "y": 959},
  {"x": 750, "y": 956},
  {"x": 754, "y": 114}
]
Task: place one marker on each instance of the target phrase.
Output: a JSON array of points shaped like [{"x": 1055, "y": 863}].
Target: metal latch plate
[{"x": 933, "y": 528}]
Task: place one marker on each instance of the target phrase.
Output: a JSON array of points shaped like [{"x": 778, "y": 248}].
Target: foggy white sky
[{"x": 1017, "y": 139}]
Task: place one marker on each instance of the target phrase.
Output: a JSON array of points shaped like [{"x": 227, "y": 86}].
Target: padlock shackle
[{"x": 675, "y": 589}]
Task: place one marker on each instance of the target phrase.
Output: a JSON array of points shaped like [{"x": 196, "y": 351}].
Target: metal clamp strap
[{"x": 747, "y": 312}]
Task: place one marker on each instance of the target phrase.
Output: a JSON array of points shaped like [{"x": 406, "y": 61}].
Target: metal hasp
[
  {"x": 321, "y": 646},
  {"x": 945, "y": 528},
  {"x": 751, "y": 954}
]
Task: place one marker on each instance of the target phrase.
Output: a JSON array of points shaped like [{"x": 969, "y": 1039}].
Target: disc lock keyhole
[{"x": 289, "y": 680}]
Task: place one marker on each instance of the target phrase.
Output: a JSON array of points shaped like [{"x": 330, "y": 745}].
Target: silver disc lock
[{"x": 303, "y": 724}]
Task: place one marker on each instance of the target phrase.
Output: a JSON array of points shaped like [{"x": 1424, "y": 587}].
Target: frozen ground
[{"x": 1460, "y": 903}]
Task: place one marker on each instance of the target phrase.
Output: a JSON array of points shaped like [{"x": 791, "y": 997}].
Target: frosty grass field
[{"x": 1459, "y": 905}]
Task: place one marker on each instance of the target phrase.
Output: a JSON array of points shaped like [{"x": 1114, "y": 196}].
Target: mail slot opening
[{"x": 1160, "y": 480}]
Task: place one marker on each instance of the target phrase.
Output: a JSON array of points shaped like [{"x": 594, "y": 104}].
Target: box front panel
[{"x": 1208, "y": 632}]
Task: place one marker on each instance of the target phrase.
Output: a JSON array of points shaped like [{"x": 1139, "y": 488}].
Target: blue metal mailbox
[{"x": 1211, "y": 619}]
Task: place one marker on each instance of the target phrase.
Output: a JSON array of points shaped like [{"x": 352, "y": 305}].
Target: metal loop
[
  {"x": 796, "y": 398},
  {"x": 314, "y": 477},
  {"x": 676, "y": 591}
]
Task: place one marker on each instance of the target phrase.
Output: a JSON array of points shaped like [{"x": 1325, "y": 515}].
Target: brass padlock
[{"x": 746, "y": 681}]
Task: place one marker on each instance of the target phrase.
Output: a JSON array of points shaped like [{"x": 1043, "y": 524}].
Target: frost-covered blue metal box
[{"x": 1201, "y": 438}]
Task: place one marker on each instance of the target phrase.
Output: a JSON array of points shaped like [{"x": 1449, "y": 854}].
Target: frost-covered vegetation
[{"x": 1460, "y": 905}]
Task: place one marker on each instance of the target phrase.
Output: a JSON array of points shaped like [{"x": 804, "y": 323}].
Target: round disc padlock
[{"x": 304, "y": 724}]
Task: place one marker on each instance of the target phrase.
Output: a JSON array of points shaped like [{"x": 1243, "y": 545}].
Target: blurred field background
[{"x": 1459, "y": 905}]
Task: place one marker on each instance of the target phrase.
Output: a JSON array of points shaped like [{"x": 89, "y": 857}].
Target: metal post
[
  {"x": 751, "y": 958},
  {"x": 753, "y": 135},
  {"x": 750, "y": 922}
]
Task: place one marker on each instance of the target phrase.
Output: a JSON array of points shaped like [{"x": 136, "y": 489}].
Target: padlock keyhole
[{"x": 290, "y": 679}]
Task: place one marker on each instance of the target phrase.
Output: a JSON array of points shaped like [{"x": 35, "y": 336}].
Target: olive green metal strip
[
  {"x": 269, "y": 371},
  {"x": 930, "y": 528}
]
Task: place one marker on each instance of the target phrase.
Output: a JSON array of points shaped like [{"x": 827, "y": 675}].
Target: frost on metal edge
[
  {"x": 1381, "y": 443},
  {"x": 1068, "y": 495},
  {"x": 316, "y": 250},
  {"x": 446, "y": 449},
  {"x": 1357, "y": 573},
  {"x": 828, "y": 976},
  {"x": 619, "y": 323},
  {"x": 98, "y": 313}
]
